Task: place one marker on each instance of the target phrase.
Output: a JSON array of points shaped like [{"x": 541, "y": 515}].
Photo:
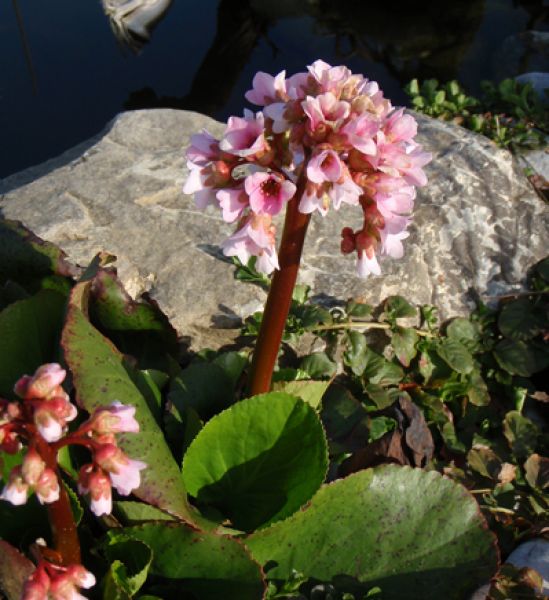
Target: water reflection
[
  {"x": 426, "y": 42},
  {"x": 132, "y": 21}
]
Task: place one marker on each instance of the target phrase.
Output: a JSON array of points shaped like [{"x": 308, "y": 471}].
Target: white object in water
[{"x": 132, "y": 21}]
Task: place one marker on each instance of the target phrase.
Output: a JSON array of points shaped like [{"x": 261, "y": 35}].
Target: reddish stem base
[{"x": 280, "y": 296}]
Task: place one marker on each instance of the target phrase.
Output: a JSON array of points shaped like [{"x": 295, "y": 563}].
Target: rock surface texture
[{"x": 478, "y": 224}]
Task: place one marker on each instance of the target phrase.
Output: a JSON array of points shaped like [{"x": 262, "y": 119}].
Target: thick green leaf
[
  {"x": 205, "y": 387},
  {"x": 27, "y": 259},
  {"x": 318, "y": 365},
  {"x": 14, "y": 571},
  {"x": 101, "y": 376},
  {"x": 464, "y": 331},
  {"x": 520, "y": 320},
  {"x": 455, "y": 355},
  {"x": 355, "y": 352},
  {"x": 309, "y": 391},
  {"x": 137, "y": 328},
  {"x": 259, "y": 461},
  {"x": 405, "y": 530},
  {"x": 536, "y": 470},
  {"x": 432, "y": 367},
  {"x": 478, "y": 390},
  {"x": 233, "y": 363},
  {"x": 345, "y": 420},
  {"x": 133, "y": 513},
  {"x": 397, "y": 307},
  {"x": 521, "y": 433},
  {"x": 211, "y": 566},
  {"x": 29, "y": 334},
  {"x": 129, "y": 560},
  {"x": 404, "y": 342},
  {"x": 520, "y": 358},
  {"x": 381, "y": 371}
]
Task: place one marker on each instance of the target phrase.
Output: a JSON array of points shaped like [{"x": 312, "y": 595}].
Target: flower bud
[
  {"x": 33, "y": 466},
  {"x": 16, "y": 490}
]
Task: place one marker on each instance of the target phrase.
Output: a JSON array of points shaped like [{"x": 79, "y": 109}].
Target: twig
[{"x": 367, "y": 325}]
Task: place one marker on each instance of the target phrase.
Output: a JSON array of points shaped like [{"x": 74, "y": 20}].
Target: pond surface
[{"x": 63, "y": 75}]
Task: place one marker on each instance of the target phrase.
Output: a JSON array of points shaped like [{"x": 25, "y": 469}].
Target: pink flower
[
  {"x": 255, "y": 237},
  {"x": 279, "y": 113},
  {"x": 367, "y": 265},
  {"x": 330, "y": 79},
  {"x": 325, "y": 109},
  {"x": 49, "y": 424},
  {"x": 267, "y": 89},
  {"x": 325, "y": 166},
  {"x": 360, "y": 132},
  {"x": 16, "y": 490},
  {"x": 97, "y": 484},
  {"x": 116, "y": 418},
  {"x": 204, "y": 149},
  {"x": 34, "y": 590},
  {"x": 123, "y": 471},
  {"x": 268, "y": 192},
  {"x": 53, "y": 581},
  {"x": 233, "y": 202},
  {"x": 400, "y": 127},
  {"x": 391, "y": 244},
  {"x": 245, "y": 136},
  {"x": 43, "y": 384},
  {"x": 47, "y": 488},
  {"x": 204, "y": 182}
]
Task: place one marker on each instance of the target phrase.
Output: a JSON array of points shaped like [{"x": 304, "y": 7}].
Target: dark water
[{"x": 63, "y": 76}]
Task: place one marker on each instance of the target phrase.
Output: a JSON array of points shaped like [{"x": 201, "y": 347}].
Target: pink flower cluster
[
  {"x": 327, "y": 132},
  {"x": 57, "y": 582},
  {"x": 44, "y": 411}
]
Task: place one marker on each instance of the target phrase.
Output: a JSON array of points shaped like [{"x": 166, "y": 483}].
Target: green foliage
[
  {"x": 29, "y": 330},
  {"x": 208, "y": 565},
  {"x": 429, "y": 528},
  {"x": 259, "y": 461},
  {"x": 463, "y": 399},
  {"x": 101, "y": 376},
  {"x": 510, "y": 113}
]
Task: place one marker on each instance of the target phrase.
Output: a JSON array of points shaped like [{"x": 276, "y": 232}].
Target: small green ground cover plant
[{"x": 510, "y": 113}]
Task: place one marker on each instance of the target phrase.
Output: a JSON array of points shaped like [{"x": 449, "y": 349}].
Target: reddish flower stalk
[
  {"x": 63, "y": 527},
  {"x": 280, "y": 295}
]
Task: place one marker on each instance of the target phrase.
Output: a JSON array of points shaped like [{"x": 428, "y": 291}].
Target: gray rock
[
  {"x": 535, "y": 555},
  {"x": 478, "y": 224}
]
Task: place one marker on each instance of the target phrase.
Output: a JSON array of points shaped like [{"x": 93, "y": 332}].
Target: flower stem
[
  {"x": 367, "y": 325},
  {"x": 280, "y": 295},
  {"x": 63, "y": 527}
]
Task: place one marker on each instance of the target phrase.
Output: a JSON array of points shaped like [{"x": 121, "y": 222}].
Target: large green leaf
[
  {"x": 29, "y": 334},
  {"x": 456, "y": 355},
  {"x": 129, "y": 560},
  {"x": 204, "y": 387},
  {"x": 521, "y": 320},
  {"x": 259, "y": 461},
  {"x": 101, "y": 376},
  {"x": 413, "y": 533},
  {"x": 211, "y": 566},
  {"x": 27, "y": 259},
  {"x": 521, "y": 358},
  {"x": 137, "y": 328}
]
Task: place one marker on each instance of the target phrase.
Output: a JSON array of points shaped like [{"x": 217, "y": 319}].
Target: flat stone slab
[{"x": 478, "y": 224}]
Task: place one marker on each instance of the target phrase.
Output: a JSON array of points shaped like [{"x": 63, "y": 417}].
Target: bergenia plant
[
  {"x": 38, "y": 425},
  {"x": 325, "y": 138}
]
